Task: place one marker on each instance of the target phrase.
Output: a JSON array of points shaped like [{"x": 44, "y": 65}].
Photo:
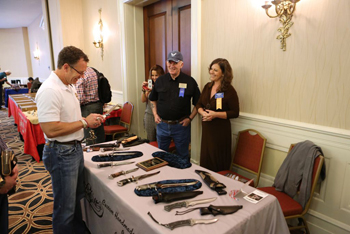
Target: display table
[
  {"x": 113, "y": 209},
  {"x": 31, "y": 133},
  {"x": 9, "y": 91}
]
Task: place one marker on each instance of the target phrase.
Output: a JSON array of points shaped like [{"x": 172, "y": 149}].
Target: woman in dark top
[{"x": 218, "y": 103}]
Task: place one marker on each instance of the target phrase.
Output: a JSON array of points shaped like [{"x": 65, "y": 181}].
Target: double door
[{"x": 167, "y": 27}]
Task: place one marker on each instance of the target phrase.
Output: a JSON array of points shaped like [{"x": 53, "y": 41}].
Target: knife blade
[
  {"x": 186, "y": 222},
  {"x": 159, "y": 185},
  {"x": 135, "y": 179},
  {"x": 110, "y": 110},
  {"x": 112, "y": 164},
  {"x": 188, "y": 203},
  {"x": 116, "y": 154},
  {"x": 189, "y": 222},
  {"x": 112, "y": 176},
  {"x": 113, "y": 149}
]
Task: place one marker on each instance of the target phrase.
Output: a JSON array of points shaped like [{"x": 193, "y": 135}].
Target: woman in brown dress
[{"x": 218, "y": 103}]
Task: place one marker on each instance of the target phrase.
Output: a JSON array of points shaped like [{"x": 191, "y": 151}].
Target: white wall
[
  {"x": 38, "y": 37},
  {"x": 15, "y": 52}
]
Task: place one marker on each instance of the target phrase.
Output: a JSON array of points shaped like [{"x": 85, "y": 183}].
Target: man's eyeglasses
[{"x": 80, "y": 73}]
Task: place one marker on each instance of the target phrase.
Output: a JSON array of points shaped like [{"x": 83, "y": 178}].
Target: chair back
[
  {"x": 249, "y": 152},
  {"x": 316, "y": 171},
  {"x": 315, "y": 175},
  {"x": 125, "y": 118}
]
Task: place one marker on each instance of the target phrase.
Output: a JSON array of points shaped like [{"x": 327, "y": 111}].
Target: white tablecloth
[{"x": 116, "y": 210}]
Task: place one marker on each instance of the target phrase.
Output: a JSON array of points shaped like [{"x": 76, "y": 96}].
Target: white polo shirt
[{"x": 58, "y": 102}]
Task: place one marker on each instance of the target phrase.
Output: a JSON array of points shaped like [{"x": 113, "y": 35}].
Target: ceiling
[{"x": 19, "y": 13}]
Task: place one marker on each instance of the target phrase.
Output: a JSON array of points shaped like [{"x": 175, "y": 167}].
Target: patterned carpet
[{"x": 30, "y": 208}]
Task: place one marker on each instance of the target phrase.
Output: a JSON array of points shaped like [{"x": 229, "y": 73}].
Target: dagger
[
  {"x": 181, "y": 223},
  {"x": 111, "y": 164},
  {"x": 188, "y": 203},
  {"x": 135, "y": 179},
  {"x": 112, "y": 176},
  {"x": 159, "y": 185}
]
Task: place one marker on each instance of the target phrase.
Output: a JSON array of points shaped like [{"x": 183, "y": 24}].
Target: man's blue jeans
[
  {"x": 180, "y": 134},
  {"x": 66, "y": 166}
]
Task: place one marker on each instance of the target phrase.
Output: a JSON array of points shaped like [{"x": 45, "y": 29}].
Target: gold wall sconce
[
  {"x": 99, "y": 34},
  {"x": 284, "y": 10},
  {"x": 36, "y": 53}
]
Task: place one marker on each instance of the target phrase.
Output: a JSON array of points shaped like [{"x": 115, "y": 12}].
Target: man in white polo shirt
[{"x": 61, "y": 121}]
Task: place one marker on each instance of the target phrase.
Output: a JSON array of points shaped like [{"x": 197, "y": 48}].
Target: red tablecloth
[{"x": 31, "y": 133}]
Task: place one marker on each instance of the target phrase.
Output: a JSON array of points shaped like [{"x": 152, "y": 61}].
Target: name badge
[
  {"x": 219, "y": 97},
  {"x": 182, "y": 92},
  {"x": 183, "y": 85}
]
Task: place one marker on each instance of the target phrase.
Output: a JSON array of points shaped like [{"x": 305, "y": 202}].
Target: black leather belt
[
  {"x": 75, "y": 142},
  {"x": 172, "y": 122},
  {"x": 85, "y": 104}
]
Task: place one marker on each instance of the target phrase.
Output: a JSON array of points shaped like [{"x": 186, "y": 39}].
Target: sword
[
  {"x": 188, "y": 203},
  {"x": 112, "y": 176},
  {"x": 111, "y": 164},
  {"x": 187, "y": 222},
  {"x": 159, "y": 185},
  {"x": 135, "y": 179}
]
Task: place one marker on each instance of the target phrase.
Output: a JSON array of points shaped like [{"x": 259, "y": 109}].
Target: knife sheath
[
  {"x": 171, "y": 197},
  {"x": 213, "y": 183},
  {"x": 216, "y": 210},
  {"x": 213, "y": 210}
]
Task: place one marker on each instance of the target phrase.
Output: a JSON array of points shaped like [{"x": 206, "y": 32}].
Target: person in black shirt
[{"x": 171, "y": 105}]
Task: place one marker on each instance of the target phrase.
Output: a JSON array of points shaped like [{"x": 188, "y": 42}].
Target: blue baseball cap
[{"x": 175, "y": 56}]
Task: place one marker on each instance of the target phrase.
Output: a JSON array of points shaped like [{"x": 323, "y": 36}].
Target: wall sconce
[
  {"x": 36, "y": 53},
  {"x": 98, "y": 34},
  {"x": 284, "y": 10}
]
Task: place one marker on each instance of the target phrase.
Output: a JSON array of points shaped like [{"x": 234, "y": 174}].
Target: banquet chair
[
  {"x": 248, "y": 156},
  {"x": 124, "y": 123},
  {"x": 291, "y": 208}
]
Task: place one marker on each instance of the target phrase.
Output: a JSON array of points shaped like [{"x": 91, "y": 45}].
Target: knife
[
  {"x": 110, "y": 110},
  {"x": 116, "y": 154},
  {"x": 187, "y": 222},
  {"x": 188, "y": 203},
  {"x": 159, "y": 185},
  {"x": 113, "y": 149},
  {"x": 135, "y": 179},
  {"x": 111, "y": 164},
  {"x": 112, "y": 176}
]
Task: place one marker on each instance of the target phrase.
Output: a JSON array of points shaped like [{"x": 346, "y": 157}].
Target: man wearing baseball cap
[{"x": 171, "y": 99}]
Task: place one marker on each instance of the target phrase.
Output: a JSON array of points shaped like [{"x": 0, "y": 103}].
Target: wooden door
[{"x": 167, "y": 27}]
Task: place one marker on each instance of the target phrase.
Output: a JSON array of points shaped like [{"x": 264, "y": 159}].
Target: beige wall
[
  {"x": 15, "y": 52},
  {"x": 110, "y": 66},
  {"x": 38, "y": 37},
  {"x": 307, "y": 83}
]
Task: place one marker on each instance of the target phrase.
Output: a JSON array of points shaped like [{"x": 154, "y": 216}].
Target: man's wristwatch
[{"x": 189, "y": 118}]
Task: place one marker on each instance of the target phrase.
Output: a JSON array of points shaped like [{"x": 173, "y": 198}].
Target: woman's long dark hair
[
  {"x": 226, "y": 71},
  {"x": 158, "y": 69}
]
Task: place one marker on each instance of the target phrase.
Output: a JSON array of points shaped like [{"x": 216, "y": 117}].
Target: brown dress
[{"x": 216, "y": 134}]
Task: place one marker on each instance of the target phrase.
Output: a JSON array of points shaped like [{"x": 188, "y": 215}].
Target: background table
[
  {"x": 9, "y": 91},
  {"x": 113, "y": 209},
  {"x": 32, "y": 134}
]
